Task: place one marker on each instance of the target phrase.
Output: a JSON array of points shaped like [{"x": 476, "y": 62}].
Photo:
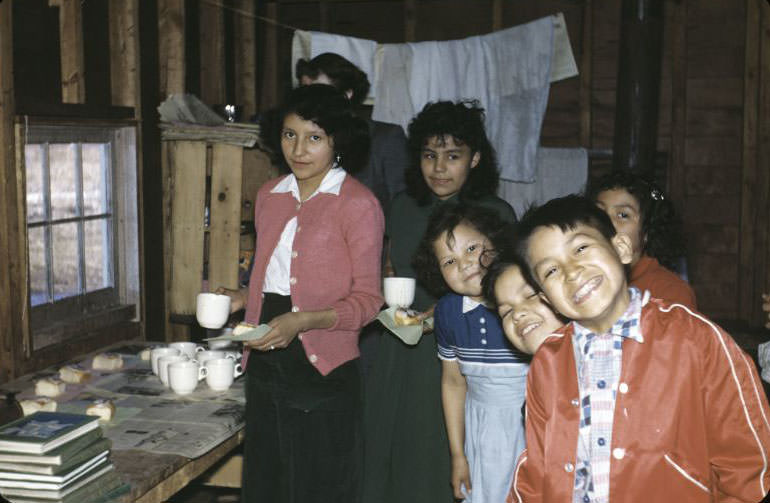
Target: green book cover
[
  {"x": 101, "y": 446},
  {"x": 41, "y": 432},
  {"x": 56, "y": 457}
]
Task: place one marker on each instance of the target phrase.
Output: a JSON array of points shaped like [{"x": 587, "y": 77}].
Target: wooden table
[
  {"x": 156, "y": 477},
  {"x": 152, "y": 477}
]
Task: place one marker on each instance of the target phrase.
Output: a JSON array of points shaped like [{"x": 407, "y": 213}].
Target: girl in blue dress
[{"x": 483, "y": 377}]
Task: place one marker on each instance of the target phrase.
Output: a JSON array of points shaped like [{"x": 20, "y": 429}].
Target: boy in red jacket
[{"x": 638, "y": 399}]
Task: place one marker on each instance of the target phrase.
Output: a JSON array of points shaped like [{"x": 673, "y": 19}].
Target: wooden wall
[{"x": 713, "y": 112}]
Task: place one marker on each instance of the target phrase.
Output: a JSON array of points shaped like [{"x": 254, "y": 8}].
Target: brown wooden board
[
  {"x": 187, "y": 163},
  {"x": 225, "y": 226},
  {"x": 171, "y": 48},
  {"x": 124, "y": 52},
  {"x": 245, "y": 58},
  {"x": 71, "y": 47},
  {"x": 212, "y": 51}
]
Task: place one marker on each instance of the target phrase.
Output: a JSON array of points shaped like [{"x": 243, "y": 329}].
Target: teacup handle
[
  {"x": 231, "y": 356},
  {"x": 202, "y": 373},
  {"x": 237, "y": 370},
  {"x": 198, "y": 349}
]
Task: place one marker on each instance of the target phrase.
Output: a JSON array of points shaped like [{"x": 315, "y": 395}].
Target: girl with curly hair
[
  {"x": 483, "y": 378},
  {"x": 407, "y": 450},
  {"x": 639, "y": 209}
]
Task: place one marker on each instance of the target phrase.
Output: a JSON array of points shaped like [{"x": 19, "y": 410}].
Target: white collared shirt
[
  {"x": 469, "y": 304},
  {"x": 278, "y": 269}
]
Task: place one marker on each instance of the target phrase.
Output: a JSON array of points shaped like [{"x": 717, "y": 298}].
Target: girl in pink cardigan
[{"x": 316, "y": 281}]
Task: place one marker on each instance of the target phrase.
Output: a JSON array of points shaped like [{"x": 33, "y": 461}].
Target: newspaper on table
[{"x": 149, "y": 416}]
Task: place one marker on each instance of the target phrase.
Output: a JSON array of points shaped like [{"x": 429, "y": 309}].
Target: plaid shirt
[{"x": 598, "y": 359}]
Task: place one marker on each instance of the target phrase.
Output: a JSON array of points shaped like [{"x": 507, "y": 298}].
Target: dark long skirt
[{"x": 303, "y": 430}]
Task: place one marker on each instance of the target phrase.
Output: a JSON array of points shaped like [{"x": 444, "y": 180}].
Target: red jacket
[
  {"x": 690, "y": 423},
  {"x": 662, "y": 283},
  {"x": 338, "y": 246}
]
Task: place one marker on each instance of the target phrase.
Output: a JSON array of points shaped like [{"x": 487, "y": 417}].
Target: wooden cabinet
[{"x": 208, "y": 213}]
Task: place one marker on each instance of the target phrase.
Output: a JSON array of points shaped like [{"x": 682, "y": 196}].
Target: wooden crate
[{"x": 225, "y": 178}]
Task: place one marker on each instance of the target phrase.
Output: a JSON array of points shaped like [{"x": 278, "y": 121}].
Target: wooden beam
[
  {"x": 747, "y": 304},
  {"x": 586, "y": 73},
  {"x": 10, "y": 335},
  {"x": 212, "y": 51},
  {"x": 71, "y": 49},
  {"x": 245, "y": 58},
  {"x": 410, "y": 20},
  {"x": 677, "y": 172},
  {"x": 763, "y": 157},
  {"x": 270, "y": 74},
  {"x": 171, "y": 19},
  {"x": 323, "y": 15},
  {"x": 20, "y": 255},
  {"x": 497, "y": 15},
  {"x": 124, "y": 52},
  {"x": 186, "y": 202},
  {"x": 225, "y": 226}
]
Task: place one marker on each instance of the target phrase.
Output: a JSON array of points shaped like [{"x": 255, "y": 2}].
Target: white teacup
[
  {"x": 159, "y": 352},
  {"x": 399, "y": 292},
  {"x": 183, "y": 376},
  {"x": 212, "y": 310},
  {"x": 164, "y": 362},
  {"x": 205, "y": 356},
  {"x": 187, "y": 348},
  {"x": 221, "y": 373}
]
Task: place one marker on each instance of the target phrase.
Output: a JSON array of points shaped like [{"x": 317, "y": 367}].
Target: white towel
[
  {"x": 507, "y": 71},
  {"x": 560, "y": 171}
]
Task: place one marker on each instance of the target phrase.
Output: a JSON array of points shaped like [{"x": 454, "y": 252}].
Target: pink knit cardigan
[{"x": 336, "y": 264}]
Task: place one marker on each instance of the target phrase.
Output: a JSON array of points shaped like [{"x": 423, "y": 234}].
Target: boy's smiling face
[{"x": 581, "y": 273}]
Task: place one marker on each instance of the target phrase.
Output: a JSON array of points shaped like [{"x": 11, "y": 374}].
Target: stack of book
[{"x": 55, "y": 457}]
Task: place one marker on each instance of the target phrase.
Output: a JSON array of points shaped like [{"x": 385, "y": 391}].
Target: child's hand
[
  {"x": 424, "y": 316},
  {"x": 461, "y": 477},
  {"x": 766, "y": 307}
]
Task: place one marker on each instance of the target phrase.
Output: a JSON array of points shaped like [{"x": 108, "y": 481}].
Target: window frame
[{"x": 61, "y": 321}]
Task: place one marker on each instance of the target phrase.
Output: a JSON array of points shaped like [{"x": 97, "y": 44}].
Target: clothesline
[{"x": 250, "y": 14}]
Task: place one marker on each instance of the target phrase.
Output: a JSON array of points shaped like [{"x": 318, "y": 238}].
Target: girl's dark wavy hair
[
  {"x": 332, "y": 111},
  {"x": 504, "y": 257},
  {"x": 464, "y": 122},
  {"x": 343, "y": 74},
  {"x": 446, "y": 218},
  {"x": 661, "y": 228}
]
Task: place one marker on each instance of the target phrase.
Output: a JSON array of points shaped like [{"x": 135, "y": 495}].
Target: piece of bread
[
  {"x": 243, "y": 327},
  {"x": 33, "y": 405},
  {"x": 107, "y": 361},
  {"x": 104, "y": 409},
  {"x": 49, "y": 386},
  {"x": 404, "y": 317},
  {"x": 74, "y": 374}
]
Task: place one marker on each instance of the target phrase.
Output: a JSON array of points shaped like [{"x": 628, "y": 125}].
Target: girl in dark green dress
[{"x": 407, "y": 451}]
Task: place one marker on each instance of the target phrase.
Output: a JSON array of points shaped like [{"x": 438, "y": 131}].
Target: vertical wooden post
[
  {"x": 71, "y": 48},
  {"x": 225, "y": 226},
  {"x": 410, "y": 20},
  {"x": 754, "y": 178},
  {"x": 212, "y": 51},
  {"x": 185, "y": 203},
  {"x": 124, "y": 52},
  {"x": 171, "y": 47},
  {"x": 677, "y": 172},
  {"x": 638, "y": 87},
  {"x": 323, "y": 15},
  {"x": 763, "y": 155},
  {"x": 245, "y": 58},
  {"x": 270, "y": 74},
  {"x": 13, "y": 309},
  {"x": 586, "y": 74},
  {"x": 497, "y": 15}
]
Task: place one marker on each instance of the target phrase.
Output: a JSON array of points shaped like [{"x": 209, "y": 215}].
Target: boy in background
[{"x": 638, "y": 400}]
